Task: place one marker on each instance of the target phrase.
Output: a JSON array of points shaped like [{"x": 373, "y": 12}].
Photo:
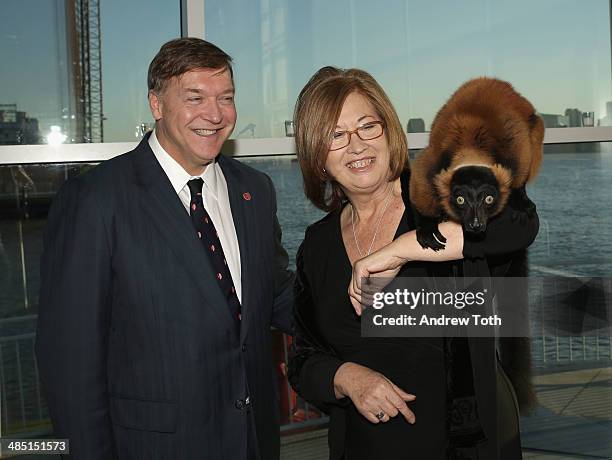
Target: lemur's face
[{"x": 474, "y": 197}]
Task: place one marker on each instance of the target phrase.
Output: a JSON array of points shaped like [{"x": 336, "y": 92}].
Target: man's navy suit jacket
[{"x": 136, "y": 346}]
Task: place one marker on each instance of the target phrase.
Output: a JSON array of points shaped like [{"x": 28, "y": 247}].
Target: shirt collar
[
  {"x": 177, "y": 175},
  {"x": 210, "y": 175}
]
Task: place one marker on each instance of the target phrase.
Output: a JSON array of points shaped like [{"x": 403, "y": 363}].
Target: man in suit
[{"x": 162, "y": 273}]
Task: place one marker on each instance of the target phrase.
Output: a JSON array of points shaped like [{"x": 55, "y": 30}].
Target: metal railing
[{"x": 23, "y": 410}]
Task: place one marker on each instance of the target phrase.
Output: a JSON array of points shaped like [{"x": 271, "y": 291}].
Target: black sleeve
[
  {"x": 312, "y": 363},
  {"x": 504, "y": 235},
  {"x": 74, "y": 321}
]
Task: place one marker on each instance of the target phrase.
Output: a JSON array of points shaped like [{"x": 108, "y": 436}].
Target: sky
[
  {"x": 555, "y": 52},
  {"x": 34, "y": 71}
]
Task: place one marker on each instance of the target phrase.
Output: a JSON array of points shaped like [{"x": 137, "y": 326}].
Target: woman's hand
[
  {"x": 372, "y": 393},
  {"x": 383, "y": 264},
  {"x": 371, "y": 274}
]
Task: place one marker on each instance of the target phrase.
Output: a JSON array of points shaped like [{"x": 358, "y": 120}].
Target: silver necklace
[{"x": 387, "y": 201}]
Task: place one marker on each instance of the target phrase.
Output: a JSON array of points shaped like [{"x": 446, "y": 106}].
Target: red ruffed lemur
[{"x": 485, "y": 145}]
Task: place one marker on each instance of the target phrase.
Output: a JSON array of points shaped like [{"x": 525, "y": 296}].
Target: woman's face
[{"x": 361, "y": 166}]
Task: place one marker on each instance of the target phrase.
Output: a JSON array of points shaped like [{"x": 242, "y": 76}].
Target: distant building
[
  {"x": 16, "y": 127},
  {"x": 575, "y": 117},
  {"x": 607, "y": 120},
  {"x": 552, "y": 120},
  {"x": 415, "y": 125}
]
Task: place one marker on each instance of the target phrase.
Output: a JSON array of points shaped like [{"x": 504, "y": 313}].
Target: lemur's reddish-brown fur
[{"x": 485, "y": 122}]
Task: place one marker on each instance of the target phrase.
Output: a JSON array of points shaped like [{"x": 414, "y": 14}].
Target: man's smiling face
[{"x": 195, "y": 114}]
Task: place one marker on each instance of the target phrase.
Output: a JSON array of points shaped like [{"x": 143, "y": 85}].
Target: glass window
[
  {"x": 295, "y": 213},
  {"x": 555, "y": 52},
  {"x": 78, "y": 74},
  {"x": 571, "y": 194},
  {"x": 26, "y": 192}
]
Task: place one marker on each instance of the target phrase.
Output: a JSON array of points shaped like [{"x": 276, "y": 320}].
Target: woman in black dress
[{"x": 387, "y": 397}]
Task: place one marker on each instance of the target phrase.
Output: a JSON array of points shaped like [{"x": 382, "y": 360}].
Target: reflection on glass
[
  {"x": 55, "y": 136},
  {"x": 80, "y": 66},
  {"x": 26, "y": 192},
  {"x": 16, "y": 127},
  {"x": 419, "y": 51}
]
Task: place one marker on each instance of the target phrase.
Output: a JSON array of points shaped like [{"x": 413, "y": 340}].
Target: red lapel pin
[{"x": 246, "y": 196}]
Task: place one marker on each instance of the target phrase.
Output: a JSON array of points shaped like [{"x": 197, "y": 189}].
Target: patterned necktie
[{"x": 212, "y": 245}]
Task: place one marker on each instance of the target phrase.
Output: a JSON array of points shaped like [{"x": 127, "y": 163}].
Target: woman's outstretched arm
[{"x": 505, "y": 234}]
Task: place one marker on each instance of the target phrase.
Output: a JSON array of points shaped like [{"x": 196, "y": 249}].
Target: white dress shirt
[{"x": 216, "y": 203}]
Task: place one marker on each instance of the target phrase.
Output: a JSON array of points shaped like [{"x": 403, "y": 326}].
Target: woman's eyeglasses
[{"x": 366, "y": 132}]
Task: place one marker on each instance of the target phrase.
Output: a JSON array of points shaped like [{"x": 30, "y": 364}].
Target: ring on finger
[{"x": 380, "y": 415}]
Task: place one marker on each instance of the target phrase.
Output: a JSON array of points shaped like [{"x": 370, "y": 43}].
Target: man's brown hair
[
  {"x": 316, "y": 114},
  {"x": 182, "y": 55}
]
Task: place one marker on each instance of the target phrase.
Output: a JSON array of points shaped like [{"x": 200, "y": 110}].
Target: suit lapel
[
  {"x": 167, "y": 214},
  {"x": 242, "y": 214}
]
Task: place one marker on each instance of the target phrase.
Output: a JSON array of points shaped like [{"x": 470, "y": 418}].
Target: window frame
[{"x": 95, "y": 152}]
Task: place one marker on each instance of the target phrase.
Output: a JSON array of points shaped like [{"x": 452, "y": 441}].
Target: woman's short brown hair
[
  {"x": 182, "y": 55},
  {"x": 316, "y": 113}
]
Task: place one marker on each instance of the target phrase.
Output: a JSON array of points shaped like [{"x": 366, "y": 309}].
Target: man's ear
[{"x": 155, "y": 104}]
